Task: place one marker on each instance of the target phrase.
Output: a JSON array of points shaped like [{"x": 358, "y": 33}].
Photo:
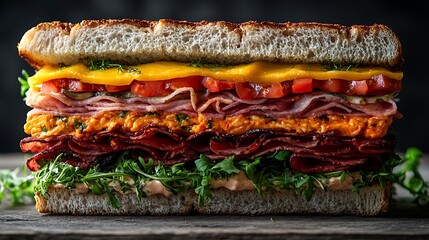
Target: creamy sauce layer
[{"x": 237, "y": 182}]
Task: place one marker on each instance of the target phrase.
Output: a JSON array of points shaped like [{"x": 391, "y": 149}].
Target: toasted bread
[
  {"x": 370, "y": 200},
  {"x": 138, "y": 41}
]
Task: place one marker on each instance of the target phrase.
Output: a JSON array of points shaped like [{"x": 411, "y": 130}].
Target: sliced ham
[{"x": 185, "y": 100}]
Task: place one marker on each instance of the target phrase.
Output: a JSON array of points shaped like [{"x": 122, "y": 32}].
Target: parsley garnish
[
  {"x": 209, "y": 124},
  {"x": 155, "y": 114},
  {"x": 186, "y": 128},
  {"x": 63, "y": 119},
  {"x": 182, "y": 117},
  {"x": 123, "y": 114},
  {"x": 81, "y": 126}
]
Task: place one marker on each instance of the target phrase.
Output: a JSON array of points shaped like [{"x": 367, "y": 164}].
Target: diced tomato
[
  {"x": 51, "y": 86},
  {"x": 383, "y": 84},
  {"x": 357, "y": 88},
  {"x": 331, "y": 85},
  {"x": 194, "y": 82},
  {"x": 72, "y": 85},
  {"x": 276, "y": 90},
  {"x": 302, "y": 85},
  {"x": 150, "y": 88},
  {"x": 245, "y": 91},
  {"x": 113, "y": 88},
  {"x": 214, "y": 85},
  {"x": 75, "y": 85}
]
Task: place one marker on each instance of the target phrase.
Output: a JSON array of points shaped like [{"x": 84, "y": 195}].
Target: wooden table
[{"x": 405, "y": 220}]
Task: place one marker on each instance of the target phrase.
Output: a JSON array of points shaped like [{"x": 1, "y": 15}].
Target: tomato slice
[
  {"x": 277, "y": 90},
  {"x": 214, "y": 85},
  {"x": 150, "y": 88},
  {"x": 357, "y": 88},
  {"x": 383, "y": 84},
  {"x": 75, "y": 85},
  {"x": 193, "y": 81},
  {"x": 245, "y": 90},
  {"x": 302, "y": 85},
  {"x": 52, "y": 86},
  {"x": 331, "y": 85},
  {"x": 72, "y": 85},
  {"x": 113, "y": 88}
]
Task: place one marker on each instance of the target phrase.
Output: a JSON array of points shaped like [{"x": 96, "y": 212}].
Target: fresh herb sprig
[
  {"x": 15, "y": 188},
  {"x": 211, "y": 66},
  {"x": 338, "y": 67},
  {"x": 270, "y": 171},
  {"x": 23, "y": 80},
  {"x": 409, "y": 176},
  {"x": 94, "y": 65},
  {"x": 180, "y": 177}
]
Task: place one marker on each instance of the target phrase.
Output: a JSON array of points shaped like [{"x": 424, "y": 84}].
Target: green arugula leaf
[
  {"x": 226, "y": 165},
  {"x": 309, "y": 189},
  {"x": 202, "y": 165},
  {"x": 270, "y": 171},
  {"x": 282, "y": 155},
  {"x": 24, "y": 83}
]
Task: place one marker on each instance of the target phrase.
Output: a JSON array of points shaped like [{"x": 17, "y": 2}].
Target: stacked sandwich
[{"x": 170, "y": 117}]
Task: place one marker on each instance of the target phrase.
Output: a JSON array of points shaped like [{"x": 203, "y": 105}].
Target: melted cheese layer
[
  {"x": 45, "y": 125},
  {"x": 256, "y": 72}
]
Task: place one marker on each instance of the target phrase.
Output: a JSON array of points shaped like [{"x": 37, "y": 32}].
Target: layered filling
[{"x": 312, "y": 122}]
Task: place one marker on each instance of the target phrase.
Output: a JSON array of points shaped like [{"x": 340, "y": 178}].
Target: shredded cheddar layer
[
  {"x": 256, "y": 72},
  {"x": 44, "y": 125}
]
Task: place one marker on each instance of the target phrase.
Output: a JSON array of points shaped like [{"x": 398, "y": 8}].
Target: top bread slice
[{"x": 139, "y": 41}]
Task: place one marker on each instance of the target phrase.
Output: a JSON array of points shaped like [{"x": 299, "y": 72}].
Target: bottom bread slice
[{"x": 370, "y": 200}]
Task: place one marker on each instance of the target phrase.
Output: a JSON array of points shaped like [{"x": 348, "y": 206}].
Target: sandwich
[{"x": 173, "y": 117}]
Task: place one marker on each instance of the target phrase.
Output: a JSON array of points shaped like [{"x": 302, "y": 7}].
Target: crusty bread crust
[
  {"x": 369, "y": 201},
  {"x": 139, "y": 41}
]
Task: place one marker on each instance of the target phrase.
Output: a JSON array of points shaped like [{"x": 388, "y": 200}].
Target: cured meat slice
[
  {"x": 321, "y": 153},
  {"x": 216, "y": 105}
]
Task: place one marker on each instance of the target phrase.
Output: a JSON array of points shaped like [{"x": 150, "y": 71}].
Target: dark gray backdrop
[{"x": 408, "y": 19}]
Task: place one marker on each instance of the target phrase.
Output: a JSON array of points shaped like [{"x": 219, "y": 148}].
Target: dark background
[{"x": 407, "y": 18}]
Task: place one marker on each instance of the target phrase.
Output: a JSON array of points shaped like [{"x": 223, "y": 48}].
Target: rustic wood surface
[{"x": 404, "y": 220}]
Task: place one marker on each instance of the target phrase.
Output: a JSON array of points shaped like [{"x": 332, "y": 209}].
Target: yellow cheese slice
[{"x": 256, "y": 72}]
